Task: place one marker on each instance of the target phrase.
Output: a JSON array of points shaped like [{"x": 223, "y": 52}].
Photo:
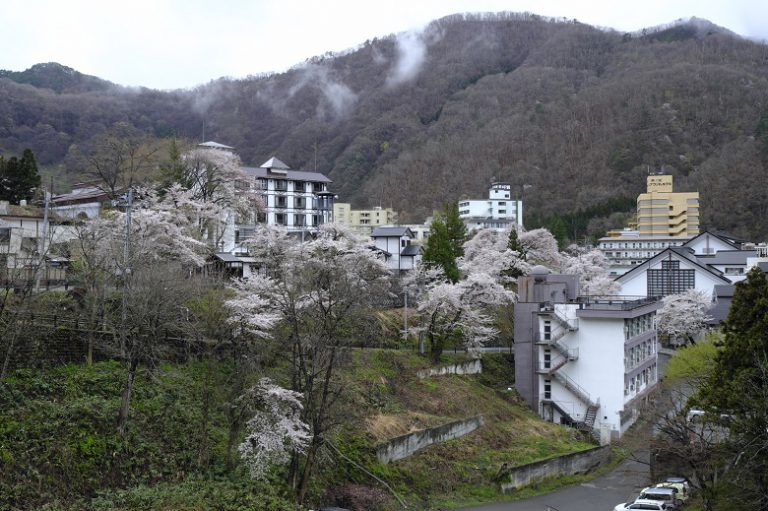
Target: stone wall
[
  {"x": 471, "y": 367},
  {"x": 568, "y": 464},
  {"x": 405, "y": 445}
]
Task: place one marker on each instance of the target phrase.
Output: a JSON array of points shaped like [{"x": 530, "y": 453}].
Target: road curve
[{"x": 599, "y": 494}]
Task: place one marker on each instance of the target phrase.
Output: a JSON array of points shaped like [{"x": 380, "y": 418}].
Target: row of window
[
  {"x": 639, "y": 354},
  {"x": 640, "y": 244},
  {"x": 670, "y": 279},
  {"x": 640, "y": 381},
  {"x": 637, "y": 326},
  {"x": 281, "y": 185}
]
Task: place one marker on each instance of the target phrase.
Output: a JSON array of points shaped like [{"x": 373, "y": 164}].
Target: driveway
[{"x": 600, "y": 494}]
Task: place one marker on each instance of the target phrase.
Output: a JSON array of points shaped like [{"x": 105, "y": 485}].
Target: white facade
[
  {"x": 580, "y": 361},
  {"x": 497, "y": 212},
  {"x": 671, "y": 272},
  {"x": 298, "y": 200},
  {"x": 395, "y": 243}
]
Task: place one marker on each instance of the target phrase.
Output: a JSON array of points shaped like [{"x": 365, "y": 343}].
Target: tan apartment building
[
  {"x": 363, "y": 220},
  {"x": 664, "y": 212}
]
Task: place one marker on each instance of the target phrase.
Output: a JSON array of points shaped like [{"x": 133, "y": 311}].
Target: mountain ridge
[{"x": 413, "y": 120}]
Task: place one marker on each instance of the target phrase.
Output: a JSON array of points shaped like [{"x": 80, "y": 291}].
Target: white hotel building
[{"x": 498, "y": 211}]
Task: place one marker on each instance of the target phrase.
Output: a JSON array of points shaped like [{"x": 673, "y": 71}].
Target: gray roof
[
  {"x": 719, "y": 310},
  {"x": 296, "y": 175},
  {"x": 228, "y": 258},
  {"x": 411, "y": 250},
  {"x": 725, "y": 239},
  {"x": 683, "y": 252},
  {"x": 274, "y": 163},
  {"x": 214, "y": 145},
  {"x": 724, "y": 290},
  {"x": 728, "y": 257},
  {"x": 391, "y": 232}
]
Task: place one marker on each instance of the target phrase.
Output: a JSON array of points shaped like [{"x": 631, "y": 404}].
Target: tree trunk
[
  {"x": 125, "y": 404},
  {"x": 307, "y": 472}
]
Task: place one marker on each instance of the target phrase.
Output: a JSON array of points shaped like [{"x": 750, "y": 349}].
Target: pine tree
[
  {"x": 455, "y": 228},
  {"x": 439, "y": 251},
  {"x": 19, "y": 179}
]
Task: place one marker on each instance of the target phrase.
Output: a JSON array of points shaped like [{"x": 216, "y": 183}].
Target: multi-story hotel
[
  {"x": 663, "y": 212},
  {"x": 499, "y": 211},
  {"x": 296, "y": 199},
  {"x": 583, "y": 361}
]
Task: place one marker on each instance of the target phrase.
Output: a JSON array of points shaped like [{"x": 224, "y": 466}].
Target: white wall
[{"x": 637, "y": 284}]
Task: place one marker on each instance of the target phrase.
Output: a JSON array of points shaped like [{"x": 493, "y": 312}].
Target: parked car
[
  {"x": 680, "y": 485},
  {"x": 651, "y": 505},
  {"x": 668, "y": 496}
]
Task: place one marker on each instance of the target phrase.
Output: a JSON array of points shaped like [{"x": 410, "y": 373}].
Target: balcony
[{"x": 618, "y": 303}]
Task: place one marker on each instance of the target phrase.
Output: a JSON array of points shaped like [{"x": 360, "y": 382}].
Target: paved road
[{"x": 600, "y": 494}]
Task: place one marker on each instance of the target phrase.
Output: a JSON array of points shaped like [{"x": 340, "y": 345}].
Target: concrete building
[
  {"x": 583, "y": 362},
  {"x": 664, "y": 212},
  {"x": 498, "y": 212},
  {"x": 363, "y": 221},
  {"x": 631, "y": 248}
]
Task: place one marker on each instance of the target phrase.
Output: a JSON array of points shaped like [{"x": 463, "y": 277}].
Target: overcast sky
[{"x": 182, "y": 43}]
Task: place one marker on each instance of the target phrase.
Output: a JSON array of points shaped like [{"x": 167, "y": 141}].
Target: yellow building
[
  {"x": 663, "y": 212},
  {"x": 363, "y": 220}
]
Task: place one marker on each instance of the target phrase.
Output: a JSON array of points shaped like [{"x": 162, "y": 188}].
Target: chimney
[{"x": 23, "y": 202}]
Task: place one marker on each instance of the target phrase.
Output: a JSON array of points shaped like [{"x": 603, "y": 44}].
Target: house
[
  {"x": 582, "y": 361},
  {"x": 363, "y": 221},
  {"x": 84, "y": 201},
  {"x": 669, "y": 272},
  {"x": 395, "y": 244},
  {"x": 25, "y": 242},
  {"x": 498, "y": 212}
]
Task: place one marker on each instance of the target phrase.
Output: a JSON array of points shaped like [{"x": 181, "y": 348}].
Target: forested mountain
[{"x": 411, "y": 121}]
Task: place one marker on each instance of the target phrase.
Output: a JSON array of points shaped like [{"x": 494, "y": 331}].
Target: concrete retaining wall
[
  {"x": 568, "y": 464},
  {"x": 405, "y": 445},
  {"x": 471, "y": 367}
]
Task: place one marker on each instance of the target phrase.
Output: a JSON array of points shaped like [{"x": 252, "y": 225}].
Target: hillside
[
  {"x": 414, "y": 120},
  {"x": 58, "y": 445}
]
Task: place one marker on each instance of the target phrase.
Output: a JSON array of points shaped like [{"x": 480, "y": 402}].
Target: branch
[{"x": 388, "y": 487}]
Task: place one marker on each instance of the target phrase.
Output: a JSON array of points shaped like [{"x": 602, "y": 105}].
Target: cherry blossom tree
[
  {"x": 684, "y": 315},
  {"x": 321, "y": 290},
  {"x": 276, "y": 431},
  {"x": 539, "y": 246},
  {"x": 460, "y": 312},
  {"x": 592, "y": 268}
]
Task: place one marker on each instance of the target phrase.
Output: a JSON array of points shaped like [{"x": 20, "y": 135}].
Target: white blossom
[
  {"x": 684, "y": 315},
  {"x": 276, "y": 429},
  {"x": 592, "y": 267}
]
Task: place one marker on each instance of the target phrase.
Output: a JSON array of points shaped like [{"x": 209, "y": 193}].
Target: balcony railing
[{"x": 622, "y": 303}]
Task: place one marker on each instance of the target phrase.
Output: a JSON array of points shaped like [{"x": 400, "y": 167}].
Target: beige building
[
  {"x": 664, "y": 212},
  {"x": 363, "y": 220}
]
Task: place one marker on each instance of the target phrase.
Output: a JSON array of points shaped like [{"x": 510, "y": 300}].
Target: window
[
  {"x": 281, "y": 185},
  {"x": 734, "y": 271},
  {"x": 547, "y": 359},
  {"x": 317, "y": 187},
  {"x": 281, "y": 202},
  {"x": 547, "y": 330},
  {"x": 670, "y": 279},
  {"x": 280, "y": 219},
  {"x": 547, "y": 389},
  {"x": 5, "y": 235},
  {"x": 300, "y": 203},
  {"x": 299, "y": 220},
  {"x": 299, "y": 186}
]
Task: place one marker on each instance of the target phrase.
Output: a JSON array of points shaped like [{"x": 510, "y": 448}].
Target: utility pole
[{"x": 41, "y": 246}]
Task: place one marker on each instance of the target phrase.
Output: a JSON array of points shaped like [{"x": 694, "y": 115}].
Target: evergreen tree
[
  {"x": 439, "y": 252},
  {"x": 446, "y": 242},
  {"x": 559, "y": 230},
  {"x": 738, "y": 386},
  {"x": 515, "y": 269},
  {"x": 455, "y": 228},
  {"x": 19, "y": 179}
]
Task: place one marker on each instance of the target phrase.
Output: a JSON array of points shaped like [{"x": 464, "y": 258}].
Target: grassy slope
[
  {"x": 57, "y": 439},
  {"x": 393, "y": 401}
]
